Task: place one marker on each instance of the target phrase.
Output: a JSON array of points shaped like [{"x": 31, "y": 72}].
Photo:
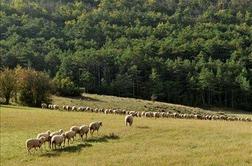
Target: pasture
[{"x": 147, "y": 142}]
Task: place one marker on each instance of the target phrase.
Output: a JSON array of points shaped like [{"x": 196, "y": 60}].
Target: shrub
[
  {"x": 65, "y": 87},
  {"x": 33, "y": 87},
  {"x": 8, "y": 84}
]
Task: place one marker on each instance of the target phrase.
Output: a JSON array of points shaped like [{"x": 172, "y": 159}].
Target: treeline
[{"x": 196, "y": 52}]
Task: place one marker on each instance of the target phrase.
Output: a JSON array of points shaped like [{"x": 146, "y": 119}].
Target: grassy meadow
[
  {"x": 131, "y": 104},
  {"x": 147, "y": 142}
]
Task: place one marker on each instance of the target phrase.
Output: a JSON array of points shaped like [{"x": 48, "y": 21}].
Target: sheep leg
[
  {"x": 91, "y": 132},
  {"x": 28, "y": 150}
]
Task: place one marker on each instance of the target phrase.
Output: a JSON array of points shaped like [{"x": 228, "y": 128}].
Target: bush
[
  {"x": 8, "y": 84},
  {"x": 33, "y": 87},
  {"x": 65, "y": 87}
]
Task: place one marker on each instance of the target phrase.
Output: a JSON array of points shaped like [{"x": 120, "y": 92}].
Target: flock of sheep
[
  {"x": 149, "y": 114},
  {"x": 58, "y": 138}
]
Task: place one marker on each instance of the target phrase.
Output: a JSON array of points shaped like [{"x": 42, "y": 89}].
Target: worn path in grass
[{"x": 148, "y": 142}]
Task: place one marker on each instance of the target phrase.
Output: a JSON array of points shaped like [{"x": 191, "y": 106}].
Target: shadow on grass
[
  {"x": 104, "y": 138},
  {"x": 143, "y": 127},
  {"x": 68, "y": 149}
]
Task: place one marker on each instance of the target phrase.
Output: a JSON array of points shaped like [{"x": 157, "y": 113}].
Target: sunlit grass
[{"x": 148, "y": 142}]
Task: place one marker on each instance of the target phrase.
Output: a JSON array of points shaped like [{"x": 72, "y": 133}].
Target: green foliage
[
  {"x": 33, "y": 87},
  {"x": 195, "y": 52},
  {"x": 65, "y": 87},
  {"x": 8, "y": 84}
]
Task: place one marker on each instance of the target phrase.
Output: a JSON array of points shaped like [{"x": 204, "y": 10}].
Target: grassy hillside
[
  {"x": 131, "y": 104},
  {"x": 148, "y": 142}
]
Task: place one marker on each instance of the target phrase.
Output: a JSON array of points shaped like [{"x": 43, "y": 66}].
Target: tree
[
  {"x": 33, "y": 87},
  {"x": 8, "y": 84}
]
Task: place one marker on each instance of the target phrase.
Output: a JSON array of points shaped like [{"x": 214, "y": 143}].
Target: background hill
[{"x": 196, "y": 52}]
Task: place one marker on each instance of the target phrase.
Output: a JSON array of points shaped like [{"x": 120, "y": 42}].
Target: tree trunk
[{"x": 7, "y": 99}]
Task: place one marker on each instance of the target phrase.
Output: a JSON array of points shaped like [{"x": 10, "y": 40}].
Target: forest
[{"x": 191, "y": 52}]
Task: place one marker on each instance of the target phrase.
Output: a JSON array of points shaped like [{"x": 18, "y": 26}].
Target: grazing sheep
[
  {"x": 55, "y": 133},
  {"x": 248, "y": 119},
  {"x": 80, "y": 109},
  {"x": 76, "y": 129},
  {"x": 58, "y": 140},
  {"x": 69, "y": 135},
  {"x": 84, "y": 129},
  {"x": 43, "y": 105},
  {"x": 68, "y": 108},
  {"x": 128, "y": 120},
  {"x": 156, "y": 114},
  {"x": 55, "y": 106},
  {"x": 46, "y": 135},
  {"x": 34, "y": 143},
  {"x": 74, "y": 108},
  {"x": 94, "y": 126},
  {"x": 148, "y": 114}
]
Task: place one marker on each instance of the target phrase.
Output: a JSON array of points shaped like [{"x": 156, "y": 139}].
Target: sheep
[
  {"x": 248, "y": 119},
  {"x": 156, "y": 114},
  {"x": 69, "y": 135},
  {"x": 128, "y": 120},
  {"x": 74, "y": 108},
  {"x": 55, "y": 106},
  {"x": 96, "y": 110},
  {"x": 80, "y": 109},
  {"x": 106, "y": 111},
  {"x": 94, "y": 126},
  {"x": 56, "y": 133},
  {"x": 76, "y": 129},
  {"x": 43, "y": 105},
  {"x": 68, "y": 108},
  {"x": 46, "y": 135},
  {"x": 58, "y": 140},
  {"x": 84, "y": 129},
  {"x": 49, "y": 106},
  {"x": 34, "y": 143},
  {"x": 147, "y": 114}
]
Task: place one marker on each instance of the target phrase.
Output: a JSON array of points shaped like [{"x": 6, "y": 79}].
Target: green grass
[
  {"x": 147, "y": 142},
  {"x": 131, "y": 104}
]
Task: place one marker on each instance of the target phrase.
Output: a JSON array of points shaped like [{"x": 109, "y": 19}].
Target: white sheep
[
  {"x": 94, "y": 126},
  {"x": 43, "y": 105},
  {"x": 58, "y": 140},
  {"x": 69, "y": 135},
  {"x": 46, "y": 135},
  {"x": 55, "y": 106},
  {"x": 56, "y": 133},
  {"x": 84, "y": 129},
  {"x": 76, "y": 129},
  {"x": 128, "y": 120},
  {"x": 34, "y": 143},
  {"x": 74, "y": 108}
]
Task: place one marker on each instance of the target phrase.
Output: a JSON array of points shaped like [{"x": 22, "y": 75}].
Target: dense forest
[{"x": 193, "y": 52}]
